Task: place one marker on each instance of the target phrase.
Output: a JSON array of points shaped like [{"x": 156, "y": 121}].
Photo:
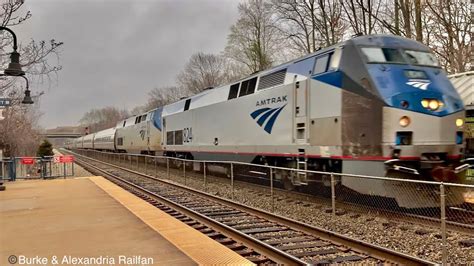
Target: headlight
[
  {"x": 459, "y": 122},
  {"x": 432, "y": 104},
  {"x": 425, "y": 103},
  {"x": 404, "y": 121}
]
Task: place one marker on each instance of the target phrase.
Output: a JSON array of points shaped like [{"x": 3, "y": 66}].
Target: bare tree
[
  {"x": 19, "y": 131},
  {"x": 310, "y": 24},
  {"x": 363, "y": 15},
  {"x": 254, "y": 39},
  {"x": 103, "y": 118},
  {"x": 35, "y": 56},
  {"x": 445, "y": 26},
  {"x": 159, "y": 97},
  {"x": 452, "y": 33},
  {"x": 203, "y": 71}
]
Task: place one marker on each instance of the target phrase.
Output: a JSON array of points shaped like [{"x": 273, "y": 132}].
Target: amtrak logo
[
  {"x": 420, "y": 84},
  {"x": 266, "y": 117},
  {"x": 278, "y": 99}
]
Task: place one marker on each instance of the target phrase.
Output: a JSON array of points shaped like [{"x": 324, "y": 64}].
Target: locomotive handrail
[{"x": 293, "y": 169}]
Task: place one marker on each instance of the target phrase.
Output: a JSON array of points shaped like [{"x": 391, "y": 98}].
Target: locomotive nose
[{"x": 444, "y": 174}]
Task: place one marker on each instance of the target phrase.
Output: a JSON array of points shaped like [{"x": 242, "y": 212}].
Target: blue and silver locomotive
[{"x": 373, "y": 105}]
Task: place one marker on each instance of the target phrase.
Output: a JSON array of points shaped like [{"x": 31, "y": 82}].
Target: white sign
[{"x": 5, "y": 102}]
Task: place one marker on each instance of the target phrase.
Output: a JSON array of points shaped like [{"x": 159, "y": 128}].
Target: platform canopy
[{"x": 464, "y": 84}]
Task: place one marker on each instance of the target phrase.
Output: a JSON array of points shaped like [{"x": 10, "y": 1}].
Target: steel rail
[
  {"x": 389, "y": 214},
  {"x": 261, "y": 247},
  {"x": 357, "y": 245}
]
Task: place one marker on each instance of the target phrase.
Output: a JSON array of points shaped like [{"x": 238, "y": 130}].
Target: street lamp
[
  {"x": 14, "y": 67},
  {"x": 27, "y": 99}
]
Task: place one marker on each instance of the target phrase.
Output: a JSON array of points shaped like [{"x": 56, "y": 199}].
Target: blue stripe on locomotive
[
  {"x": 392, "y": 86},
  {"x": 157, "y": 118},
  {"x": 333, "y": 78}
]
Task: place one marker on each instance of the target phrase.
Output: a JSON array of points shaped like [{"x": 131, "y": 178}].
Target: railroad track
[
  {"x": 459, "y": 219},
  {"x": 257, "y": 235}
]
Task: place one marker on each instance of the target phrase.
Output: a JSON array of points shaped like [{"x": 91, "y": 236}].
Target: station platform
[{"x": 93, "y": 219}]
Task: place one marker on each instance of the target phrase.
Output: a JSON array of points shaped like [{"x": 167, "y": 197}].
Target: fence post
[
  {"x": 13, "y": 169},
  {"x": 130, "y": 160},
  {"x": 4, "y": 175},
  {"x": 232, "y": 179},
  {"x": 64, "y": 170},
  {"x": 333, "y": 194},
  {"x": 184, "y": 172},
  {"x": 167, "y": 168},
  {"x": 205, "y": 178},
  {"x": 271, "y": 189},
  {"x": 146, "y": 163},
  {"x": 72, "y": 168},
  {"x": 156, "y": 167},
  {"x": 443, "y": 222},
  {"x": 138, "y": 163}
]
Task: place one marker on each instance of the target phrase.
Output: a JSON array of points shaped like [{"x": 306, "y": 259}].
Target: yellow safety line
[{"x": 194, "y": 244}]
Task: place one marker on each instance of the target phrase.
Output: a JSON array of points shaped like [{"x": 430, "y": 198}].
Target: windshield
[
  {"x": 383, "y": 55},
  {"x": 399, "y": 56},
  {"x": 421, "y": 58}
]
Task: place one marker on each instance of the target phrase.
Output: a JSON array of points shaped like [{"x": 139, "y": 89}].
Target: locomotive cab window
[
  {"x": 335, "y": 59},
  {"x": 383, "y": 55},
  {"x": 233, "y": 91},
  {"x": 321, "y": 64},
  {"x": 422, "y": 58}
]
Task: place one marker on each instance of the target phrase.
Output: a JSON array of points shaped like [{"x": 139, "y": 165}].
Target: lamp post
[
  {"x": 27, "y": 99},
  {"x": 14, "y": 67}
]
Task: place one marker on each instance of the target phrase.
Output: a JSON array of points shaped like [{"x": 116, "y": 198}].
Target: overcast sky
[{"x": 115, "y": 51}]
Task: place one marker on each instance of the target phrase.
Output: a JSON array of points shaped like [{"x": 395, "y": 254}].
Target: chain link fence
[
  {"x": 36, "y": 167},
  {"x": 326, "y": 198}
]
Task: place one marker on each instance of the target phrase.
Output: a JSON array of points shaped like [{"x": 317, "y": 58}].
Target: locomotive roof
[
  {"x": 379, "y": 40},
  {"x": 382, "y": 40},
  {"x": 391, "y": 41}
]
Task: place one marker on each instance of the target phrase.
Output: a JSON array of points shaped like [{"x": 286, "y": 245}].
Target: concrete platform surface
[{"x": 74, "y": 217}]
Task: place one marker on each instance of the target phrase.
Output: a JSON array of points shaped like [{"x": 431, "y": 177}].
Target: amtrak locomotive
[{"x": 373, "y": 105}]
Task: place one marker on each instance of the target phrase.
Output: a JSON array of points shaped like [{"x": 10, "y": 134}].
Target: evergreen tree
[{"x": 45, "y": 149}]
